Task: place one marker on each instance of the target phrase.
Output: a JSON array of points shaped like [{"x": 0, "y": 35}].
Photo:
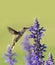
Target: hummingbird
[{"x": 17, "y": 34}]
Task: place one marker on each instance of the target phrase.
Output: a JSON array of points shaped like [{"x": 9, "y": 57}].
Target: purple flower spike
[
  {"x": 31, "y": 28},
  {"x": 34, "y": 52},
  {"x": 28, "y": 48},
  {"x": 10, "y": 56},
  {"x": 50, "y": 60},
  {"x": 26, "y": 44},
  {"x": 36, "y": 24},
  {"x": 36, "y": 31},
  {"x": 38, "y": 48}
]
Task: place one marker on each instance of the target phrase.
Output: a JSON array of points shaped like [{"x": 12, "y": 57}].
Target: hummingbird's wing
[{"x": 12, "y": 31}]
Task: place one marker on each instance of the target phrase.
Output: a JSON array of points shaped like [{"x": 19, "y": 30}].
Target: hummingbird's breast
[{"x": 17, "y": 37}]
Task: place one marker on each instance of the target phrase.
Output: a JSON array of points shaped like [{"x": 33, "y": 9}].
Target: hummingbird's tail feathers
[
  {"x": 12, "y": 46},
  {"x": 12, "y": 31},
  {"x": 14, "y": 42}
]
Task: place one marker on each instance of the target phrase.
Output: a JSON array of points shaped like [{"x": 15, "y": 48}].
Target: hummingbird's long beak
[{"x": 26, "y": 27}]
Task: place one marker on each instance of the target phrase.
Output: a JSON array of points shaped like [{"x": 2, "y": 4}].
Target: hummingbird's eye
[{"x": 24, "y": 28}]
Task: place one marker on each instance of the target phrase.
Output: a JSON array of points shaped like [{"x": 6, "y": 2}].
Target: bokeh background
[{"x": 20, "y": 13}]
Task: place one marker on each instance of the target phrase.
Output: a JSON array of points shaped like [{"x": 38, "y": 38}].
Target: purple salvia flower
[
  {"x": 36, "y": 31},
  {"x": 50, "y": 60},
  {"x": 35, "y": 59},
  {"x": 28, "y": 48},
  {"x": 36, "y": 34},
  {"x": 10, "y": 56}
]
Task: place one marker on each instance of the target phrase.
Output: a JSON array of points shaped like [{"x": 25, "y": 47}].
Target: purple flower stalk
[
  {"x": 38, "y": 48},
  {"x": 10, "y": 56},
  {"x": 27, "y": 48},
  {"x": 50, "y": 60},
  {"x": 34, "y": 52}
]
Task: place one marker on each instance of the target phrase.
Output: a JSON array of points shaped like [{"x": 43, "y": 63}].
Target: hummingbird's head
[{"x": 24, "y": 29}]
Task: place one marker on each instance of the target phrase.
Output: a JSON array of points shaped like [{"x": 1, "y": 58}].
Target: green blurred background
[{"x": 19, "y": 13}]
